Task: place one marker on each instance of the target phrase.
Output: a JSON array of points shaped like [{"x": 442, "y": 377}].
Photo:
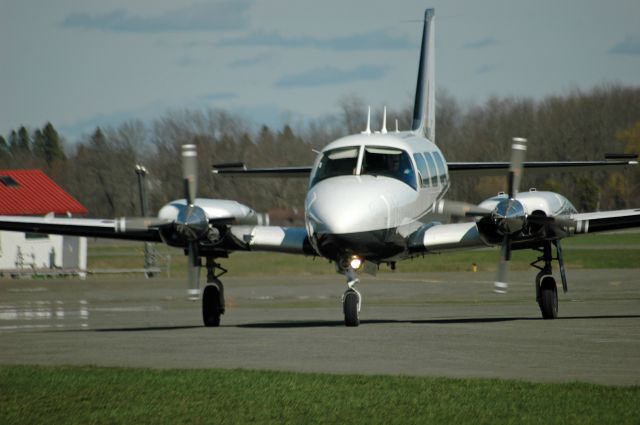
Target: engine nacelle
[
  {"x": 217, "y": 210},
  {"x": 534, "y": 205},
  {"x": 218, "y": 213},
  {"x": 549, "y": 203}
]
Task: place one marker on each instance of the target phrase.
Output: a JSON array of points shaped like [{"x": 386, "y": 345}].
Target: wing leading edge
[
  {"x": 500, "y": 168},
  {"x": 291, "y": 240},
  {"x": 137, "y": 229},
  {"x": 435, "y": 238},
  {"x": 606, "y": 220}
]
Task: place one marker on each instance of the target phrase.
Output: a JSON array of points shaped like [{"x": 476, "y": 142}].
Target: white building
[{"x": 32, "y": 193}]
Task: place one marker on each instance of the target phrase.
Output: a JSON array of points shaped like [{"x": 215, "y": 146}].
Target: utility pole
[{"x": 149, "y": 248}]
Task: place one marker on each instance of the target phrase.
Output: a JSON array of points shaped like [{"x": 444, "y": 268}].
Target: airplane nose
[{"x": 347, "y": 205}]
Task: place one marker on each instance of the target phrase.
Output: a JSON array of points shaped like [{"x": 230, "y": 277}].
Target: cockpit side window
[
  {"x": 336, "y": 162},
  {"x": 422, "y": 167},
  {"x": 432, "y": 167},
  {"x": 389, "y": 162},
  {"x": 441, "y": 167}
]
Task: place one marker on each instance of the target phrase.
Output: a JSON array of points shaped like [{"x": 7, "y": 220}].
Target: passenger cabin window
[
  {"x": 389, "y": 162},
  {"x": 337, "y": 162},
  {"x": 422, "y": 168},
  {"x": 432, "y": 168},
  {"x": 441, "y": 167}
]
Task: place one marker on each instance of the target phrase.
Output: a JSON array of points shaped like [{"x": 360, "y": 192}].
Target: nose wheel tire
[
  {"x": 351, "y": 307},
  {"x": 211, "y": 306},
  {"x": 548, "y": 300}
]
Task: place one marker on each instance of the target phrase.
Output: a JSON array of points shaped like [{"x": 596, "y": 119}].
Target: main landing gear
[
  {"x": 546, "y": 288},
  {"x": 351, "y": 300},
  {"x": 213, "y": 295}
]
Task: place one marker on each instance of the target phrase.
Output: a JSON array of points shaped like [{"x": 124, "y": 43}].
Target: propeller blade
[
  {"x": 190, "y": 172},
  {"x": 509, "y": 214},
  {"x": 460, "y": 209},
  {"x": 501, "y": 283},
  {"x": 193, "y": 282},
  {"x": 518, "y": 152}
]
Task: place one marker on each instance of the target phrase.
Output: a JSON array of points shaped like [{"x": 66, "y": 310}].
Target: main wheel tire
[
  {"x": 549, "y": 299},
  {"x": 211, "y": 306},
  {"x": 350, "y": 307}
]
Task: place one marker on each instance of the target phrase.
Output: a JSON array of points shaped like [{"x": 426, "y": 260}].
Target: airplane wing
[
  {"x": 138, "y": 229},
  {"x": 240, "y": 237},
  {"x": 606, "y": 220},
  {"x": 435, "y": 238},
  {"x": 291, "y": 240},
  {"x": 500, "y": 168}
]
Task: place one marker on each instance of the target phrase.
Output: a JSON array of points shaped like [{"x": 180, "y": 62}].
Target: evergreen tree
[
  {"x": 13, "y": 142},
  {"x": 38, "y": 144},
  {"x": 24, "y": 140},
  {"x": 5, "y": 154},
  {"x": 4, "y": 146},
  {"x": 52, "y": 148},
  {"x": 98, "y": 141}
]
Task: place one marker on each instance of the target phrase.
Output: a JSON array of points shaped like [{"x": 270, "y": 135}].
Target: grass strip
[
  {"x": 91, "y": 395},
  {"x": 264, "y": 263}
]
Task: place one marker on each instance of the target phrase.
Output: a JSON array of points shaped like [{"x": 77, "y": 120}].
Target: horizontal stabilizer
[
  {"x": 264, "y": 172},
  {"x": 230, "y": 165},
  {"x": 627, "y": 156},
  {"x": 499, "y": 168}
]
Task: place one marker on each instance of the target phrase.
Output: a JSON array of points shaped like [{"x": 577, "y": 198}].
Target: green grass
[
  {"x": 261, "y": 263},
  {"x": 487, "y": 260},
  {"x": 584, "y": 252},
  {"x": 89, "y": 395}
]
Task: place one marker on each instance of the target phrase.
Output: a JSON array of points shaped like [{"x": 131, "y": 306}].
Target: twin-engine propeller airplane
[{"x": 373, "y": 198}]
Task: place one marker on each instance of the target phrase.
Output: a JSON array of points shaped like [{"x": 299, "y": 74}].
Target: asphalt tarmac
[{"x": 434, "y": 324}]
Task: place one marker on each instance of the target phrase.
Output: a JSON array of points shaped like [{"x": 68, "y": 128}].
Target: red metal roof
[{"x": 34, "y": 194}]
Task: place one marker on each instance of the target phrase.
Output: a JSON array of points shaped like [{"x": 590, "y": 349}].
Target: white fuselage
[{"x": 369, "y": 192}]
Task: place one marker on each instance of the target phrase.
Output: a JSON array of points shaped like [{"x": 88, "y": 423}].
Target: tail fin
[{"x": 424, "y": 108}]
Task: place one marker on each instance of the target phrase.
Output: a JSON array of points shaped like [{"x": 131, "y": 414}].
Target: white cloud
[{"x": 227, "y": 15}]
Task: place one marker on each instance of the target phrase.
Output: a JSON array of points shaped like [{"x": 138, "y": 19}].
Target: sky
[{"x": 79, "y": 64}]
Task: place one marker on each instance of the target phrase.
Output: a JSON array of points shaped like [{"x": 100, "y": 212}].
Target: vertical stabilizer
[{"x": 424, "y": 107}]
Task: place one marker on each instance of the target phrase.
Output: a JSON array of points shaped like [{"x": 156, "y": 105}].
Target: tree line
[{"x": 99, "y": 168}]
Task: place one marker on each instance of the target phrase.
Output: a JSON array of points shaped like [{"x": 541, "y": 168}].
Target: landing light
[{"x": 355, "y": 262}]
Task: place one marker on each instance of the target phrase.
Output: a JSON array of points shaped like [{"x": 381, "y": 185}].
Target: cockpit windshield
[
  {"x": 377, "y": 161},
  {"x": 389, "y": 162},
  {"x": 337, "y": 162}
]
